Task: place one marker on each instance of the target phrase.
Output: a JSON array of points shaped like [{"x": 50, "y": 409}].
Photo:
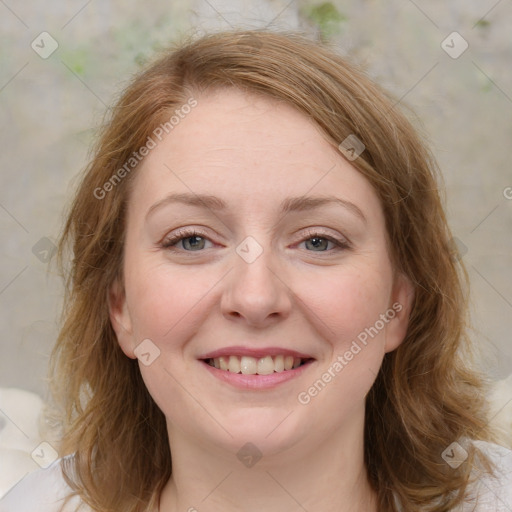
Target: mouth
[{"x": 266, "y": 365}]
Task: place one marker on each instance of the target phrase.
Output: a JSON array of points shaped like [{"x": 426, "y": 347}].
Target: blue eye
[
  {"x": 194, "y": 241},
  {"x": 191, "y": 241},
  {"x": 319, "y": 242}
]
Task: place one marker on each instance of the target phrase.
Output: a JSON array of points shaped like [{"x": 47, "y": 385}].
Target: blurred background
[{"x": 62, "y": 63}]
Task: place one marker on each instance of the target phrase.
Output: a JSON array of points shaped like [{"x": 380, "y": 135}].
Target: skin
[{"x": 302, "y": 294}]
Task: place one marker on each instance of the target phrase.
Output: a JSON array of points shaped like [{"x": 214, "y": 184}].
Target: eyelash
[
  {"x": 183, "y": 234},
  {"x": 340, "y": 244}
]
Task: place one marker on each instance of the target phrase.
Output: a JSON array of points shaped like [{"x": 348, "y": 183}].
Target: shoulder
[
  {"x": 44, "y": 490},
  {"x": 492, "y": 493},
  {"x": 487, "y": 493}
]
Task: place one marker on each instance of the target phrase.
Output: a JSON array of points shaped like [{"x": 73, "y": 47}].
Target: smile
[{"x": 247, "y": 365}]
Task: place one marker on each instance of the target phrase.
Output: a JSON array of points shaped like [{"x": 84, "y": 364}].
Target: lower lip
[{"x": 257, "y": 381}]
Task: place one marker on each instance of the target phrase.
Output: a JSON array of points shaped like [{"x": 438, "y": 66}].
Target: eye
[
  {"x": 319, "y": 242},
  {"x": 191, "y": 240}
]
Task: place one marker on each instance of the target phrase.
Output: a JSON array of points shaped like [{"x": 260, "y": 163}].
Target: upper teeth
[{"x": 252, "y": 365}]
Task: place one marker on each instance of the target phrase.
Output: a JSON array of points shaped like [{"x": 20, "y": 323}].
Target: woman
[{"x": 263, "y": 292}]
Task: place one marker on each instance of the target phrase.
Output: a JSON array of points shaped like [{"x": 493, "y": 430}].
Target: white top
[{"x": 44, "y": 490}]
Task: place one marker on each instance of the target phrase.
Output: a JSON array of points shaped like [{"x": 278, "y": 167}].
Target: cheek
[
  {"x": 168, "y": 307},
  {"x": 165, "y": 304},
  {"x": 350, "y": 308},
  {"x": 347, "y": 301}
]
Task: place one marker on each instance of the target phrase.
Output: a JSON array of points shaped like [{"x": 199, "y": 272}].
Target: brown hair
[{"x": 425, "y": 396}]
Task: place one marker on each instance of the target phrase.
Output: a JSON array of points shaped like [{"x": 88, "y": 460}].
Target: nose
[{"x": 256, "y": 293}]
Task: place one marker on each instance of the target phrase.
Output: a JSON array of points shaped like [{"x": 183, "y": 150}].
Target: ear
[
  {"x": 402, "y": 299},
  {"x": 120, "y": 318}
]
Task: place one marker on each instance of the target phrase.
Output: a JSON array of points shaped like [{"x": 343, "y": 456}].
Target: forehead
[
  {"x": 230, "y": 122},
  {"x": 250, "y": 150}
]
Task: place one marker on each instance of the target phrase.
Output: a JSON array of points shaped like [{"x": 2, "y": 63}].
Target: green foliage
[
  {"x": 79, "y": 59},
  {"x": 326, "y": 17},
  {"x": 482, "y": 23}
]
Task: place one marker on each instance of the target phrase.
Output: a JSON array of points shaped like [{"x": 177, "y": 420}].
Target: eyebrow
[{"x": 288, "y": 205}]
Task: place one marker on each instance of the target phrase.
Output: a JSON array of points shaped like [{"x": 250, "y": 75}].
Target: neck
[{"x": 325, "y": 472}]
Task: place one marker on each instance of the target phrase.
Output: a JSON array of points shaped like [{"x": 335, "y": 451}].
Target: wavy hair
[{"x": 427, "y": 394}]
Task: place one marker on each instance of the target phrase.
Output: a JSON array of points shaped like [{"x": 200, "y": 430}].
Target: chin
[{"x": 271, "y": 431}]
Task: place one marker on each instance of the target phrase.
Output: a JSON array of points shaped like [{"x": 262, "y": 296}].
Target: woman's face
[{"x": 253, "y": 245}]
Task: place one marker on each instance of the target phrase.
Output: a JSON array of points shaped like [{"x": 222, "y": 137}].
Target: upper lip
[{"x": 253, "y": 352}]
